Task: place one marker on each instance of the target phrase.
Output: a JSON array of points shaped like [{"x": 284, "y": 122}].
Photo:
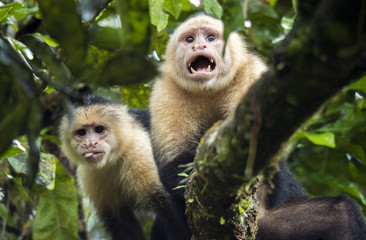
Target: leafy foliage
[{"x": 67, "y": 48}]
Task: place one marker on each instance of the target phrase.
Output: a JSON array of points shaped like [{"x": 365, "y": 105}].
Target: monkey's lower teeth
[
  {"x": 208, "y": 69},
  {"x": 192, "y": 70}
]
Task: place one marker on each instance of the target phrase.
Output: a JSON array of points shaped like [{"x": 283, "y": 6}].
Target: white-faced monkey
[
  {"x": 200, "y": 84},
  {"x": 116, "y": 167}
]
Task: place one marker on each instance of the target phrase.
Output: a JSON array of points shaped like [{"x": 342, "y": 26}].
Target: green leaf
[
  {"x": 222, "y": 221},
  {"x": 128, "y": 68},
  {"x": 4, "y": 13},
  {"x": 57, "y": 211},
  {"x": 47, "y": 171},
  {"x": 157, "y": 15},
  {"x": 136, "y": 96},
  {"x": 22, "y": 191},
  {"x": 64, "y": 24},
  {"x": 3, "y": 211},
  {"x": 232, "y": 16},
  {"x": 324, "y": 139},
  {"x": 173, "y": 7},
  {"x": 360, "y": 85},
  {"x": 15, "y": 149},
  {"x": 19, "y": 163},
  {"x": 183, "y": 174},
  {"x": 213, "y": 8},
  {"x": 20, "y": 11},
  {"x": 272, "y": 3},
  {"x": 47, "y": 39},
  {"x": 47, "y": 55}
]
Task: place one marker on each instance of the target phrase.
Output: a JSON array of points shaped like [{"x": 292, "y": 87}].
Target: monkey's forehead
[
  {"x": 200, "y": 21},
  {"x": 98, "y": 113}
]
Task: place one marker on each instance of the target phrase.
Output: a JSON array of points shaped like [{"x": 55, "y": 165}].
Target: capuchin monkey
[
  {"x": 116, "y": 168},
  {"x": 200, "y": 84}
]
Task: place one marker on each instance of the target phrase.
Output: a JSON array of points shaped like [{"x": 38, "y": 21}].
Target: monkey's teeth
[
  {"x": 192, "y": 70},
  {"x": 208, "y": 69},
  {"x": 189, "y": 64},
  {"x": 211, "y": 60}
]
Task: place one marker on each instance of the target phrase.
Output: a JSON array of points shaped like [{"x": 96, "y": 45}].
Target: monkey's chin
[{"x": 95, "y": 157}]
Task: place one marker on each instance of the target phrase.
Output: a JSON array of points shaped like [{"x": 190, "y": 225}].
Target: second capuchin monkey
[
  {"x": 116, "y": 167},
  {"x": 200, "y": 84}
]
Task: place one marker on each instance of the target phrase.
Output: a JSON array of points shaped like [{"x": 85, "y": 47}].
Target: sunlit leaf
[
  {"x": 47, "y": 171},
  {"x": 4, "y": 13},
  {"x": 213, "y": 8},
  {"x": 173, "y": 7},
  {"x": 136, "y": 96},
  {"x": 19, "y": 163},
  {"x": 157, "y": 15},
  {"x": 272, "y": 3},
  {"x": 13, "y": 151},
  {"x": 325, "y": 139},
  {"x": 360, "y": 85},
  {"x": 47, "y": 39}
]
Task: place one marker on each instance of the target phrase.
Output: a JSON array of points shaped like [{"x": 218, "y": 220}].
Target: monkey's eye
[
  {"x": 99, "y": 129},
  {"x": 81, "y": 132},
  {"x": 190, "y": 39},
  {"x": 211, "y": 38}
]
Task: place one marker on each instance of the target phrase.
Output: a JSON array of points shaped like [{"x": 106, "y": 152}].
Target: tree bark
[{"x": 325, "y": 51}]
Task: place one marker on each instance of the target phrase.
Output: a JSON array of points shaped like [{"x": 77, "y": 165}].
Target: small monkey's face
[{"x": 91, "y": 142}]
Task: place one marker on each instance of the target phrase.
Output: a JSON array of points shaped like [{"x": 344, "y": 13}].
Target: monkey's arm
[
  {"x": 122, "y": 224},
  {"x": 325, "y": 218}
]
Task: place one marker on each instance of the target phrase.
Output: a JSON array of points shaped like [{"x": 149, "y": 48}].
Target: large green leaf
[
  {"x": 232, "y": 16},
  {"x": 212, "y": 7},
  {"x": 157, "y": 15},
  {"x": 57, "y": 211},
  {"x": 46, "y": 54},
  {"x": 64, "y": 24},
  {"x": 128, "y": 68},
  {"x": 173, "y": 7},
  {"x": 135, "y": 19}
]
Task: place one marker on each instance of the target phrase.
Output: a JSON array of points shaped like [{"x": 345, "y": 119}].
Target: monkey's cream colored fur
[
  {"x": 182, "y": 107},
  {"x": 127, "y": 173}
]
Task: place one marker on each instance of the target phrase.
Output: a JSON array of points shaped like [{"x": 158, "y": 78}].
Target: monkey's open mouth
[{"x": 201, "y": 64}]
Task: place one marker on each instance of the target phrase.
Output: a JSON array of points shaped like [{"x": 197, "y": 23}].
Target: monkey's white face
[
  {"x": 199, "y": 50},
  {"x": 199, "y": 62},
  {"x": 93, "y": 142}
]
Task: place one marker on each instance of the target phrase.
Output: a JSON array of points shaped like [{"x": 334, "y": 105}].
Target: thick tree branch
[{"x": 325, "y": 51}]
